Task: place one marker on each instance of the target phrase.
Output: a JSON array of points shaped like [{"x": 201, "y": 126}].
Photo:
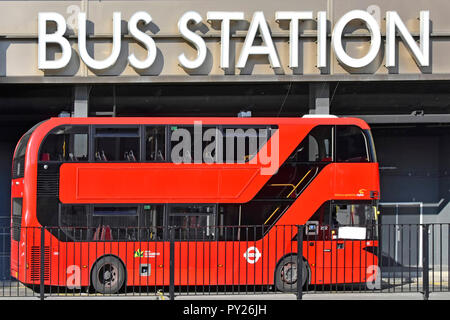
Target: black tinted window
[
  {"x": 193, "y": 222},
  {"x": 316, "y": 147},
  {"x": 218, "y": 144},
  {"x": 116, "y": 144},
  {"x": 352, "y": 144},
  {"x": 66, "y": 143}
]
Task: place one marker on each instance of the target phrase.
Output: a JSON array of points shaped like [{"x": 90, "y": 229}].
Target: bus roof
[{"x": 328, "y": 120}]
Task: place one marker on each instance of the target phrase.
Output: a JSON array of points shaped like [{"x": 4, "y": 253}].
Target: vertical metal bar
[
  {"x": 291, "y": 238},
  {"x": 379, "y": 257},
  {"x": 5, "y": 252},
  {"x": 126, "y": 258},
  {"x": 238, "y": 252},
  {"x": 300, "y": 262},
  {"x": 50, "y": 265},
  {"x": 196, "y": 259},
  {"x": 41, "y": 288},
  {"x": 225, "y": 231},
  {"x": 246, "y": 265},
  {"x": 203, "y": 263},
  {"x": 389, "y": 257},
  {"x": 180, "y": 237},
  {"x": 432, "y": 253},
  {"x": 401, "y": 255},
  {"x": 425, "y": 266},
  {"x": 268, "y": 260},
  {"x": 26, "y": 246},
  {"x": 262, "y": 260},
  {"x": 419, "y": 255},
  {"x": 188, "y": 258},
  {"x": 409, "y": 257},
  {"x": 254, "y": 266},
  {"x": 360, "y": 254},
  {"x": 276, "y": 253},
  {"x": 140, "y": 256},
  {"x": 233, "y": 261},
  {"x": 172, "y": 265},
  {"x": 440, "y": 257},
  {"x": 209, "y": 260}
]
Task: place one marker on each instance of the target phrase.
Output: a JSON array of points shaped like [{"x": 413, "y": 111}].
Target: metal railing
[{"x": 215, "y": 260}]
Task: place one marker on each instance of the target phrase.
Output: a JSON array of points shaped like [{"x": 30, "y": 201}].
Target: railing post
[
  {"x": 42, "y": 264},
  {"x": 300, "y": 262},
  {"x": 172, "y": 264},
  {"x": 425, "y": 262}
]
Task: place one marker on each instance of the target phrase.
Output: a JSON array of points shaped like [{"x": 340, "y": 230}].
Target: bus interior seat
[
  {"x": 102, "y": 233},
  {"x": 45, "y": 156},
  {"x": 106, "y": 233},
  {"x": 129, "y": 156},
  {"x": 72, "y": 157},
  {"x": 100, "y": 156},
  {"x": 96, "y": 234},
  {"x": 160, "y": 156}
]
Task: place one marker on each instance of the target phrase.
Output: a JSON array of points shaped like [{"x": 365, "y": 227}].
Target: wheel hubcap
[
  {"x": 107, "y": 275},
  {"x": 289, "y": 273}
]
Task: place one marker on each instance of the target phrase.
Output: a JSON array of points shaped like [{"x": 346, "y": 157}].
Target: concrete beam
[
  {"x": 81, "y": 101},
  {"x": 319, "y": 98}
]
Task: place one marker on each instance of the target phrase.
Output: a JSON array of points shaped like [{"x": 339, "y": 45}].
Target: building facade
[{"x": 383, "y": 61}]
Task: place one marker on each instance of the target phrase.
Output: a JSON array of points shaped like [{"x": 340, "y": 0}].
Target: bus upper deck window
[
  {"x": 352, "y": 144},
  {"x": 65, "y": 143},
  {"x": 116, "y": 144},
  {"x": 316, "y": 146}
]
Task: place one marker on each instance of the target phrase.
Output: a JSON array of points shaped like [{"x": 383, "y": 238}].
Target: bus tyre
[
  {"x": 286, "y": 274},
  {"x": 108, "y": 275}
]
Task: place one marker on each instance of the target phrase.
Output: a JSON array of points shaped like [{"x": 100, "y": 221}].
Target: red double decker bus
[{"x": 110, "y": 194}]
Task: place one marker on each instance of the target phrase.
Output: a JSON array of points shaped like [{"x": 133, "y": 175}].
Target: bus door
[
  {"x": 340, "y": 238},
  {"x": 354, "y": 225}
]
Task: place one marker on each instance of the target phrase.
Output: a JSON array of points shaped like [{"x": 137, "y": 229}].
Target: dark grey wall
[{"x": 415, "y": 167}]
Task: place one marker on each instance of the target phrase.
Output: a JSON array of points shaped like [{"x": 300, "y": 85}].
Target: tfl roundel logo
[{"x": 252, "y": 255}]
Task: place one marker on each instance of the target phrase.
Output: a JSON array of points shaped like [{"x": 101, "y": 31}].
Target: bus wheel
[
  {"x": 108, "y": 275},
  {"x": 286, "y": 274}
]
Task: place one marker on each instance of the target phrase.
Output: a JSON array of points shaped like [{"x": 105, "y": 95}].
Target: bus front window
[
  {"x": 345, "y": 220},
  {"x": 354, "y": 221}
]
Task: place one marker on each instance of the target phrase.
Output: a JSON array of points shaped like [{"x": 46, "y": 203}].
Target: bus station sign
[{"x": 258, "y": 26}]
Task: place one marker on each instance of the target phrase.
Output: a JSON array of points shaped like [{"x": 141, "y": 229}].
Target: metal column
[
  {"x": 319, "y": 98},
  {"x": 81, "y": 101}
]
